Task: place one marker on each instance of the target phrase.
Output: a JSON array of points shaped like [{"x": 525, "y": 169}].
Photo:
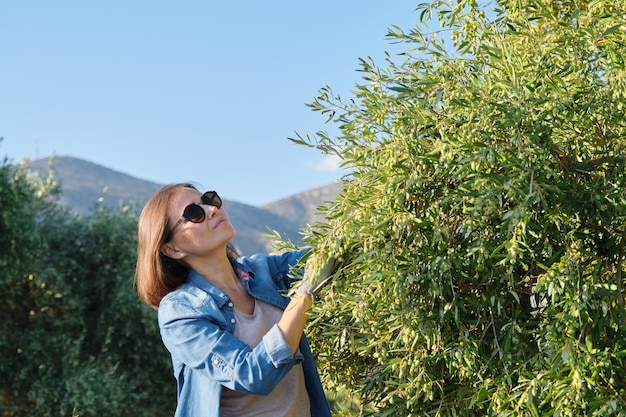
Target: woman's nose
[{"x": 211, "y": 210}]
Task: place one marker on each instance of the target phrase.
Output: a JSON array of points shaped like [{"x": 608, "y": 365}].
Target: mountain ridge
[{"x": 85, "y": 184}]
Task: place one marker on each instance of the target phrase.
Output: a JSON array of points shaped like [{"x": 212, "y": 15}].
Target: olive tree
[
  {"x": 483, "y": 217},
  {"x": 22, "y": 197},
  {"x": 109, "y": 359},
  {"x": 74, "y": 340}
]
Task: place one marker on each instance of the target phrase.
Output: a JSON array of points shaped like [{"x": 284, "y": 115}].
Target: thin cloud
[{"x": 327, "y": 164}]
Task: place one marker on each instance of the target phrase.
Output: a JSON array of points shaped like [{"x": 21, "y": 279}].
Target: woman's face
[{"x": 205, "y": 237}]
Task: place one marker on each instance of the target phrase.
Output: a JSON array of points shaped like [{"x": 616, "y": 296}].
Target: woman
[{"x": 235, "y": 339}]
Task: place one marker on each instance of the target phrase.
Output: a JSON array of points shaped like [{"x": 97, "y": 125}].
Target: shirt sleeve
[{"x": 280, "y": 267}]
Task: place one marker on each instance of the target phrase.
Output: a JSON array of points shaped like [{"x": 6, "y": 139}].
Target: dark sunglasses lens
[
  {"x": 194, "y": 213},
  {"x": 212, "y": 199}
]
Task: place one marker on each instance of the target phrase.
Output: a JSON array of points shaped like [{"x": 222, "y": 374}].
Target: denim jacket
[{"x": 197, "y": 324}]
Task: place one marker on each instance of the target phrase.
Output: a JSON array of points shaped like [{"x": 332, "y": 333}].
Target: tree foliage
[
  {"x": 77, "y": 340},
  {"x": 483, "y": 220}
]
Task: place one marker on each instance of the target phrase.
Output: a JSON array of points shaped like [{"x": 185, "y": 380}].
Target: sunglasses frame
[{"x": 209, "y": 198}]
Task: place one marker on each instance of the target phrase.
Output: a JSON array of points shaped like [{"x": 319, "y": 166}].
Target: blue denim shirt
[{"x": 197, "y": 324}]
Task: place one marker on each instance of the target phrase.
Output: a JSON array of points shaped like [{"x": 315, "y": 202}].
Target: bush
[
  {"x": 483, "y": 220},
  {"x": 80, "y": 341}
]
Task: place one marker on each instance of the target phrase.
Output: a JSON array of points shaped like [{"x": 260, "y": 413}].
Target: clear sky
[{"x": 187, "y": 90}]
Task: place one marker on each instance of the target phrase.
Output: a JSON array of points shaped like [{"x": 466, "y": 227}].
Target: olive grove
[
  {"x": 480, "y": 227},
  {"x": 482, "y": 219}
]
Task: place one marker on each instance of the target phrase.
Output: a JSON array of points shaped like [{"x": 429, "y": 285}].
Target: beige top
[{"x": 289, "y": 398}]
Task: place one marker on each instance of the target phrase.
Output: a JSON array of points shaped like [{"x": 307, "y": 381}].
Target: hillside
[{"x": 85, "y": 183}]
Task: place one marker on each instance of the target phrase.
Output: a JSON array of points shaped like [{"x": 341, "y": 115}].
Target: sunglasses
[{"x": 195, "y": 213}]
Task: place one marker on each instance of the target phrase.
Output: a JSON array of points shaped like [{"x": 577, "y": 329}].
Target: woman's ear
[{"x": 171, "y": 251}]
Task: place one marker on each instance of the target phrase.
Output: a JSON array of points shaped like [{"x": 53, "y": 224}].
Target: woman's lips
[{"x": 218, "y": 222}]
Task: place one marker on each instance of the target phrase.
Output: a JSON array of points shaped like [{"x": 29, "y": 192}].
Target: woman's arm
[{"x": 294, "y": 319}]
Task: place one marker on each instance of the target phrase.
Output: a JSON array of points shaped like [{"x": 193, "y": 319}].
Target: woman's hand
[{"x": 316, "y": 275}]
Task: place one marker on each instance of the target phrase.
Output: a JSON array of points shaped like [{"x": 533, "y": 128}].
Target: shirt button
[
  {"x": 215, "y": 362},
  {"x": 232, "y": 320},
  {"x": 230, "y": 304}
]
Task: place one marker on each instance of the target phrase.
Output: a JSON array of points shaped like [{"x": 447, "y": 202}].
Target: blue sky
[{"x": 186, "y": 90}]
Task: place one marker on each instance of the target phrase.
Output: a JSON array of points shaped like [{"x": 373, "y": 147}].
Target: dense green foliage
[
  {"x": 483, "y": 221},
  {"x": 74, "y": 338}
]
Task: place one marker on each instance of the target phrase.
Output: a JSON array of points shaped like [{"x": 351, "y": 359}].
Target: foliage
[
  {"x": 483, "y": 220},
  {"x": 79, "y": 341},
  {"x": 22, "y": 197}
]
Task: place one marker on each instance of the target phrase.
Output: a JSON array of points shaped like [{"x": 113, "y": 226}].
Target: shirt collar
[{"x": 220, "y": 297}]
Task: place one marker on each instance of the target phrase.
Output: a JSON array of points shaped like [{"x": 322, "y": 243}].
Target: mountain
[{"x": 85, "y": 184}]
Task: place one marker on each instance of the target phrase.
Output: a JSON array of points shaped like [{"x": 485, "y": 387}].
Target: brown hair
[{"x": 157, "y": 274}]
